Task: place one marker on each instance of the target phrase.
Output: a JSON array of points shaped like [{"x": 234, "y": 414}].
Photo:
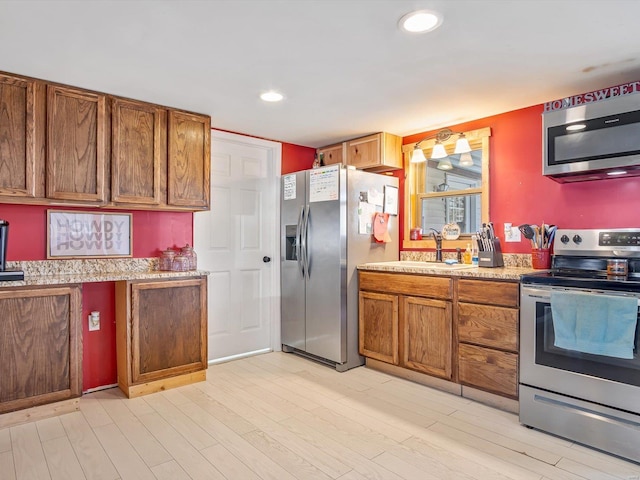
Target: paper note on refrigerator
[
  {"x": 365, "y": 218},
  {"x": 289, "y": 185}
]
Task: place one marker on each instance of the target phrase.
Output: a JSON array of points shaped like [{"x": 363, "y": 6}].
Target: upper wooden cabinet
[
  {"x": 139, "y": 153},
  {"x": 189, "y": 160},
  {"x": 331, "y": 154},
  {"x": 76, "y": 145},
  {"x": 22, "y": 137},
  {"x": 68, "y": 145},
  {"x": 377, "y": 153}
]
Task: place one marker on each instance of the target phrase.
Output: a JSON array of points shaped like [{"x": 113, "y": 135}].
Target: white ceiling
[{"x": 345, "y": 68}]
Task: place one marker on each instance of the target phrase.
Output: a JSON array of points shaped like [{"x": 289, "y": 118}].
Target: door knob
[{"x": 266, "y": 259}]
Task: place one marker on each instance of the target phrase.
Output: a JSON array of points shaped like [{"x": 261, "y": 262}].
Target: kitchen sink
[{"x": 429, "y": 265}]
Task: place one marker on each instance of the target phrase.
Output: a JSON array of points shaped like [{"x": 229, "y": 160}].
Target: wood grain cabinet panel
[
  {"x": 488, "y": 369},
  {"x": 189, "y": 160},
  {"x": 428, "y": 336},
  {"x": 489, "y": 326},
  {"x": 22, "y": 137},
  {"x": 488, "y": 332},
  {"x": 377, "y": 153},
  {"x": 76, "y": 145},
  {"x": 139, "y": 153},
  {"x": 378, "y": 326},
  {"x": 418, "y": 285},
  {"x": 332, "y": 154},
  {"x": 40, "y": 346},
  {"x": 488, "y": 292},
  {"x": 161, "y": 333}
]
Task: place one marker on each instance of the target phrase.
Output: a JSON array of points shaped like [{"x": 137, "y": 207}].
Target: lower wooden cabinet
[
  {"x": 401, "y": 328},
  {"x": 378, "y": 326},
  {"x": 462, "y": 330},
  {"x": 487, "y": 313},
  {"x": 40, "y": 346},
  {"x": 161, "y": 334}
]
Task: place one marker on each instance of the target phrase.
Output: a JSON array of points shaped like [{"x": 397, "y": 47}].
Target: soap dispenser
[{"x": 467, "y": 255}]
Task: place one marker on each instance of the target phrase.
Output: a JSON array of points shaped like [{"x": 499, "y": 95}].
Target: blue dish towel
[{"x": 597, "y": 324}]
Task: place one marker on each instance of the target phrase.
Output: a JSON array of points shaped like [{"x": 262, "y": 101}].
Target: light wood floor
[{"x": 278, "y": 416}]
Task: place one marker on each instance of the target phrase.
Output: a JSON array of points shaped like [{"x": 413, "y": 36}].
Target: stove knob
[
  {"x": 564, "y": 239},
  {"x": 577, "y": 239}
]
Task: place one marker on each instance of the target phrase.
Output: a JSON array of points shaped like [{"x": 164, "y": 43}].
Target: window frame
[{"x": 478, "y": 139}]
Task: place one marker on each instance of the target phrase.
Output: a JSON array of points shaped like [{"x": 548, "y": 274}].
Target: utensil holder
[
  {"x": 491, "y": 258},
  {"x": 541, "y": 258}
]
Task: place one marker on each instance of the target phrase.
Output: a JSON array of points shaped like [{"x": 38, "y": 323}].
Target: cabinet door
[
  {"x": 332, "y": 154},
  {"x": 40, "y": 346},
  {"x": 22, "y": 121},
  {"x": 168, "y": 328},
  {"x": 139, "y": 153},
  {"x": 76, "y": 145},
  {"x": 427, "y": 336},
  {"x": 364, "y": 152},
  {"x": 378, "y": 326},
  {"x": 189, "y": 160}
]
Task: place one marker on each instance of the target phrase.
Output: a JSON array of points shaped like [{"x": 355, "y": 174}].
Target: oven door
[{"x": 597, "y": 378}]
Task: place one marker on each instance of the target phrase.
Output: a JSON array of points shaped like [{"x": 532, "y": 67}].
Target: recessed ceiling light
[
  {"x": 271, "y": 96},
  {"x": 575, "y": 127},
  {"x": 421, "y": 21},
  {"x": 616, "y": 172}
]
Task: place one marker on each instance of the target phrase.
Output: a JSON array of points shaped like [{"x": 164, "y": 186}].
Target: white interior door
[{"x": 232, "y": 241}]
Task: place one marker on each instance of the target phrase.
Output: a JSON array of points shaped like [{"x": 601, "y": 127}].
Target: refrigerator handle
[
  {"x": 299, "y": 246},
  {"x": 306, "y": 238}
]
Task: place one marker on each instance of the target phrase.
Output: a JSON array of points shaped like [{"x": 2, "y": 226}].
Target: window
[{"x": 460, "y": 194}]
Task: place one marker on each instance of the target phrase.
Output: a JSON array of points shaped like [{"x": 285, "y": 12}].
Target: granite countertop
[
  {"x": 432, "y": 268},
  {"x": 58, "y": 272}
]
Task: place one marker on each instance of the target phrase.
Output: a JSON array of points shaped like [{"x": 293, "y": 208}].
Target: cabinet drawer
[
  {"x": 420, "y": 285},
  {"x": 488, "y": 369},
  {"x": 488, "y": 325},
  {"x": 488, "y": 292}
]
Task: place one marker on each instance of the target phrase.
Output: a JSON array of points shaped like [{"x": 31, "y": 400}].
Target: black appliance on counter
[
  {"x": 6, "y": 275},
  {"x": 580, "y": 341}
]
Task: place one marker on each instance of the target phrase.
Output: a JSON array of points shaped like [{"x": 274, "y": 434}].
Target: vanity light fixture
[
  {"x": 271, "y": 96},
  {"x": 420, "y": 21},
  {"x": 462, "y": 146}
]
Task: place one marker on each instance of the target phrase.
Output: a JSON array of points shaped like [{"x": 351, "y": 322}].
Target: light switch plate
[{"x": 511, "y": 233}]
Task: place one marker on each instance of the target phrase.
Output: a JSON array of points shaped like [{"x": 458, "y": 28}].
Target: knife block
[{"x": 491, "y": 258}]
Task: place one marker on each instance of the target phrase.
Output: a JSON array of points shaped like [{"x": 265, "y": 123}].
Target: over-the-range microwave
[{"x": 593, "y": 141}]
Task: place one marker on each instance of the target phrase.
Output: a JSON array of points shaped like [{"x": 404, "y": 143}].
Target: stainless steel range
[{"x": 579, "y": 339}]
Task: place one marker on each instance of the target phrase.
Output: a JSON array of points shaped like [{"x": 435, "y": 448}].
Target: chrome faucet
[{"x": 437, "y": 236}]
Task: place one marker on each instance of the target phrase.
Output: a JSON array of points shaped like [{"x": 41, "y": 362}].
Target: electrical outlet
[
  {"x": 511, "y": 233},
  {"x": 94, "y": 321}
]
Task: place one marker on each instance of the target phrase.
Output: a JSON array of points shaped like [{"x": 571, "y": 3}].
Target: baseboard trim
[{"x": 40, "y": 412}]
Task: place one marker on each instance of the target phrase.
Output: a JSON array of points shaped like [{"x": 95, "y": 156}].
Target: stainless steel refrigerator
[{"x": 326, "y": 221}]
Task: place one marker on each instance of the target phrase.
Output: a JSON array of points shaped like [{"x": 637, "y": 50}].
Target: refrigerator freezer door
[
  {"x": 326, "y": 280},
  {"x": 292, "y": 311}
]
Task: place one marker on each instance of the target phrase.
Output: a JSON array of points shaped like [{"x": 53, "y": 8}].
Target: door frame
[{"x": 274, "y": 150}]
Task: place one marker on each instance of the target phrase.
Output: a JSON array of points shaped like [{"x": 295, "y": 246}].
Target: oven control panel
[{"x": 621, "y": 242}]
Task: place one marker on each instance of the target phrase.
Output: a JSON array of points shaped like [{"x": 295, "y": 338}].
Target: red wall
[
  {"x": 520, "y": 194},
  {"x": 296, "y": 158}
]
